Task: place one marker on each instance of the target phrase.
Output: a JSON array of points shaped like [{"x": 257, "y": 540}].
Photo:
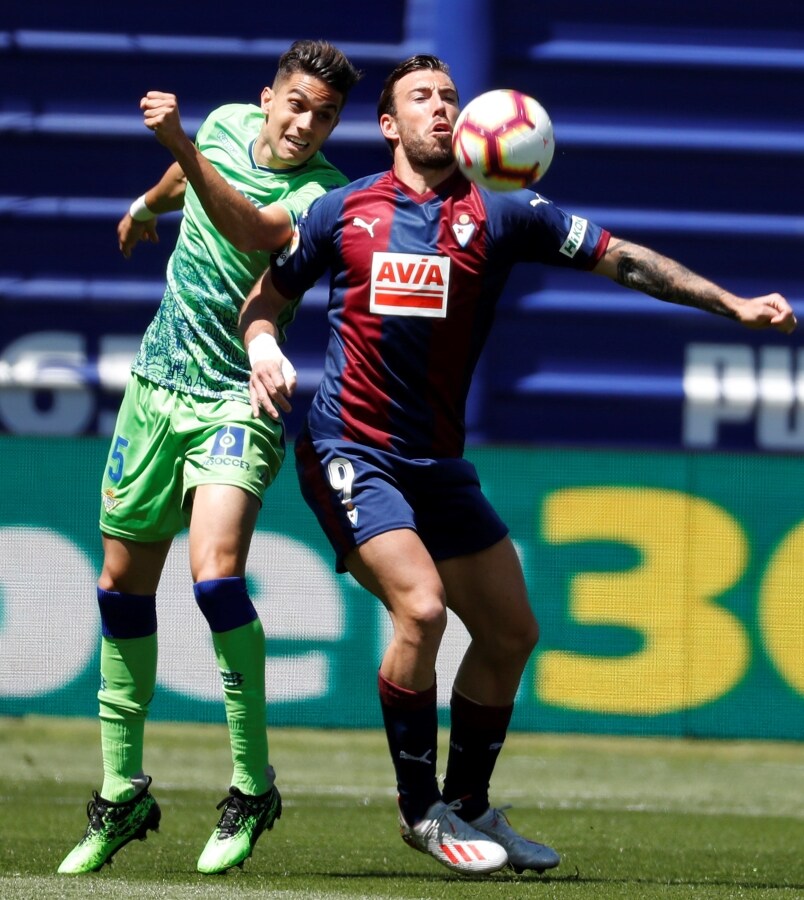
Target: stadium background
[{"x": 646, "y": 456}]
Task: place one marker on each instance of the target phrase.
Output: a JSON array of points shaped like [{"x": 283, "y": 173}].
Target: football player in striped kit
[{"x": 418, "y": 258}]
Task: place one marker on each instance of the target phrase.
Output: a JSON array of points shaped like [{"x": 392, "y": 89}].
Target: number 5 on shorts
[{"x": 115, "y": 471}]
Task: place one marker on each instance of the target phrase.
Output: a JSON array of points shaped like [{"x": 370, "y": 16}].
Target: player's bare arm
[
  {"x": 235, "y": 217},
  {"x": 645, "y": 270},
  {"x": 167, "y": 195},
  {"x": 273, "y": 378}
]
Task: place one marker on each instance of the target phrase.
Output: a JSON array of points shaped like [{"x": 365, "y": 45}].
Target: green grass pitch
[{"x": 635, "y": 818}]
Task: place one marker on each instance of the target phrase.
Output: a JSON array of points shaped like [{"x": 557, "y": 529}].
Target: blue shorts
[{"x": 358, "y": 492}]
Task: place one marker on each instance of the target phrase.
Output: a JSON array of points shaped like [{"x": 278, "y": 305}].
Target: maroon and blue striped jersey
[{"x": 414, "y": 282}]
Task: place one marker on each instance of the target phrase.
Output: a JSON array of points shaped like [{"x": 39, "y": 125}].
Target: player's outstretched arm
[
  {"x": 139, "y": 223},
  {"x": 644, "y": 270},
  {"x": 235, "y": 217},
  {"x": 273, "y": 378}
]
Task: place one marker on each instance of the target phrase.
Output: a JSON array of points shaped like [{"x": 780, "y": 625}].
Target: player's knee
[
  {"x": 525, "y": 636},
  {"x": 422, "y": 619},
  {"x": 529, "y": 636},
  {"x": 225, "y": 603},
  {"x": 215, "y": 565},
  {"x": 126, "y": 616},
  {"x": 511, "y": 642}
]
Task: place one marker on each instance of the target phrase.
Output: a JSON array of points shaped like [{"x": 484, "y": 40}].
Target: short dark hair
[
  {"x": 321, "y": 60},
  {"x": 387, "y": 101}
]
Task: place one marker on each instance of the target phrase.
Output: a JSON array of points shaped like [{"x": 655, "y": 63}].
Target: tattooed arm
[{"x": 645, "y": 270}]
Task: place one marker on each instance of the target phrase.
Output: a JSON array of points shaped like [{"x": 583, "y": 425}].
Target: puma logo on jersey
[
  {"x": 409, "y": 284},
  {"x": 537, "y": 200},
  {"x": 362, "y": 223}
]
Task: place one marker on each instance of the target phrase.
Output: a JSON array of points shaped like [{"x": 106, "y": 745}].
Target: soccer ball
[{"x": 503, "y": 140}]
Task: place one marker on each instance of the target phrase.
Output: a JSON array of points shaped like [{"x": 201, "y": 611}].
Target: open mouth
[{"x": 297, "y": 143}]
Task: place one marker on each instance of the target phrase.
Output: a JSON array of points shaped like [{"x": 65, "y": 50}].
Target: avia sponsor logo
[
  {"x": 408, "y": 284},
  {"x": 227, "y": 448},
  {"x": 574, "y": 239}
]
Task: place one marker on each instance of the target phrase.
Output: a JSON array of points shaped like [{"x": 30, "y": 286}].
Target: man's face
[
  {"x": 426, "y": 110},
  {"x": 302, "y": 111}
]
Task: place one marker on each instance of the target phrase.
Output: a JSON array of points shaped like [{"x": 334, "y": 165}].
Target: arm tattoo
[{"x": 651, "y": 273}]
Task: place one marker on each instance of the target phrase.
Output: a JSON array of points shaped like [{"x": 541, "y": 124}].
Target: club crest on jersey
[
  {"x": 464, "y": 229},
  {"x": 409, "y": 284}
]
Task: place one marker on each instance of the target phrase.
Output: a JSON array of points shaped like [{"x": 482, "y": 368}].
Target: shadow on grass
[{"x": 575, "y": 878}]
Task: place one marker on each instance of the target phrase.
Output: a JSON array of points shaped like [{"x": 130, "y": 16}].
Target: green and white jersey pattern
[{"x": 193, "y": 344}]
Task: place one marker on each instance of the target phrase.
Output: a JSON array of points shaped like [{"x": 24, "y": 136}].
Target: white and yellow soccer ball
[{"x": 503, "y": 140}]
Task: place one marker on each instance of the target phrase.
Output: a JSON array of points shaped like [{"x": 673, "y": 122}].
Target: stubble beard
[{"x": 425, "y": 153}]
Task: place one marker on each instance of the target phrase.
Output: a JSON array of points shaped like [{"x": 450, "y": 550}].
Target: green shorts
[{"x": 168, "y": 442}]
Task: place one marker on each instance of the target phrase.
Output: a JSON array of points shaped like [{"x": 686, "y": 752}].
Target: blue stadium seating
[{"x": 678, "y": 125}]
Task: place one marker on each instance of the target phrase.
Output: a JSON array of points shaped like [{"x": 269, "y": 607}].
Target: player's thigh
[
  {"x": 453, "y": 516},
  {"x": 353, "y": 492},
  {"x": 141, "y": 491},
  {"x": 132, "y": 567},
  {"x": 229, "y": 462},
  {"x": 221, "y": 527},
  {"x": 487, "y": 591},
  {"x": 228, "y": 446},
  {"x": 396, "y": 567}
]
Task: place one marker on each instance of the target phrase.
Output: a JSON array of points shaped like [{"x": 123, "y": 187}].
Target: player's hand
[
  {"x": 130, "y": 233},
  {"x": 161, "y": 115},
  {"x": 273, "y": 378},
  {"x": 770, "y": 311}
]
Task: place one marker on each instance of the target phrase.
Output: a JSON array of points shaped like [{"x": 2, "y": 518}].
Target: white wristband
[
  {"x": 139, "y": 210},
  {"x": 265, "y": 347}
]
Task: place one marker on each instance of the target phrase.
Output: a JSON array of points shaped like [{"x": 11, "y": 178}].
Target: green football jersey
[{"x": 193, "y": 344}]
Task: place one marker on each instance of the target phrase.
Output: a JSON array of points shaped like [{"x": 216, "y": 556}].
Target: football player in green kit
[{"x": 187, "y": 452}]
